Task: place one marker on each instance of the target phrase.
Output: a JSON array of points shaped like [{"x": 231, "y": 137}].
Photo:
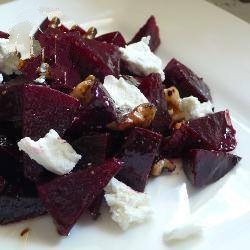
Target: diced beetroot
[
  {"x": 138, "y": 154},
  {"x": 96, "y": 58},
  {"x": 115, "y": 38},
  {"x": 212, "y": 132},
  {"x": 186, "y": 81},
  {"x": 4, "y": 35},
  {"x": 94, "y": 208},
  {"x": 151, "y": 86},
  {"x": 42, "y": 28},
  {"x": 44, "y": 109},
  {"x": 96, "y": 114},
  {"x": 204, "y": 167},
  {"x": 11, "y": 100},
  {"x": 30, "y": 67},
  {"x": 67, "y": 197},
  {"x": 19, "y": 201},
  {"x": 115, "y": 142},
  {"x": 9, "y": 158},
  {"x": 151, "y": 29},
  {"x": 63, "y": 78},
  {"x": 78, "y": 30},
  {"x": 92, "y": 148}
]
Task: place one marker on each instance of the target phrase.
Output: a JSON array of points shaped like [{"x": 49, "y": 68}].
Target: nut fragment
[
  {"x": 160, "y": 165},
  {"x": 91, "y": 33},
  {"x": 54, "y": 23},
  {"x": 141, "y": 116},
  {"x": 83, "y": 89},
  {"x": 172, "y": 97}
]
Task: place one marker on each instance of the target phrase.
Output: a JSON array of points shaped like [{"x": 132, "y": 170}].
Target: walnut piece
[
  {"x": 82, "y": 90},
  {"x": 160, "y": 165},
  {"x": 91, "y": 33},
  {"x": 141, "y": 116}
]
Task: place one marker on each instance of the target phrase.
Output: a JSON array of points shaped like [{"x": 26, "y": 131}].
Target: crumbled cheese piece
[
  {"x": 140, "y": 60},
  {"x": 182, "y": 226},
  {"x": 125, "y": 95},
  {"x": 192, "y": 108},
  {"x": 52, "y": 152},
  {"x": 43, "y": 70},
  {"x": 41, "y": 79},
  {"x": 183, "y": 232},
  {"x": 146, "y": 39},
  {"x": 127, "y": 206},
  {"x": 1, "y": 78},
  {"x": 9, "y": 58}
]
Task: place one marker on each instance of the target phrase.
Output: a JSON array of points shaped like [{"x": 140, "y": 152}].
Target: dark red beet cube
[
  {"x": 19, "y": 201},
  {"x": 204, "y": 167},
  {"x": 30, "y": 67},
  {"x": 94, "y": 208},
  {"x": 78, "y": 30},
  {"x": 92, "y": 148},
  {"x": 115, "y": 38},
  {"x": 67, "y": 197},
  {"x": 151, "y": 86},
  {"x": 138, "y": 154},
  {"x": 151, "y": 29},
  {"x": 97, "y": 113},
  {"x": 4, "y": 35},
  {"x": 212, "y": 132},
  {"x": 44, "y": 109},
  {"x": 2, "y": 184},
  {"x": 63, "y": 78},
  {"x": 186, "y": 81},
  {"x": 96, "y": 58}
]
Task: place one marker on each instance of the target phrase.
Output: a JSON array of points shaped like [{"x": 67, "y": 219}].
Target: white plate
[{"x": 217, "y": 46}]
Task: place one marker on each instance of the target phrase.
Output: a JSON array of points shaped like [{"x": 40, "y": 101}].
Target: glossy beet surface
[
  {"x": 138, "y": 153},
  {"x": 115, "y": 38},
  {"x": 151, "y": 29},
  {"x": 97, "y": 112},
  {"x": 67, "y": 197},
  {"x": 4, "y": 35},
  {"x": 204, "y": 167},
  {"x": 92, "y": 148},
  {"x": 45, "y": 109},
  {"x": 212, "y": 132},
  {"x": 186, "y": 81},
  {"x": 30, "y": 67},
  {"x": 94, "y": 208},
  {"x": 19, "y": 201},
  {"x": 151, "y": 86},
  {"x": 96, "y": 58}
]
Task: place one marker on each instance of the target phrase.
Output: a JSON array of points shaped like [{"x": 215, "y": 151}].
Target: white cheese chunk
[
  {"x": 9, "y": 58},
  {"x": 183, "y": 232},
  {"x": 127, "y": 206},
  {"x": 141, "y": 60},
  {"x": 124, "y": 94},
  {"x": 192, "y": 108},
  {"x": 52, "y": 152},
  {"x": 1, "y": 78}
]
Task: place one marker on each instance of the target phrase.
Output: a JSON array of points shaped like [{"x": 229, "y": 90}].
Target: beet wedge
[
  {"x": 186, "y": 81},
  {"x": 138, "y": 154},
  {"x": 115, "y": 38},
  {"x": 19, "y": 201},
  {"x": 151, "y": 86},
  {"x": 203, "y": 167},
  {"x": 151, "y": 29},
  {"x": 67, "y": 197},
  {"x": 45, "y": 108},
  {"x": 212, "y": 132},
  {"x": 94, "y": 208}
]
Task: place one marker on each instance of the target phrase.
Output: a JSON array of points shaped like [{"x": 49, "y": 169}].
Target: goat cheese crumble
[
  {"x": 52, "y": 152},
  {"x": 192, "y": 108},
  {"x": 125, "y": 95},
  {"x": 127, "y": 206},
  {"x": 1, "y": 78},
  {"x": 141, "y": 60}
]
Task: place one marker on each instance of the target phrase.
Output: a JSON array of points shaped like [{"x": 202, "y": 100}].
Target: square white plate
[{"x": 214, "y": 44}]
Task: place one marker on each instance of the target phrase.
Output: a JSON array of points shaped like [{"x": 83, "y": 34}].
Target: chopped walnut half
[
  {"x": 160, "y": 165},
  {"x": 82, "y": 90},
  {"x": 54, "y": 23},
  {"x": 141, "y": 116},
  {"x": 173, "y": 99},
  {"x": 91, "y": 33}
]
